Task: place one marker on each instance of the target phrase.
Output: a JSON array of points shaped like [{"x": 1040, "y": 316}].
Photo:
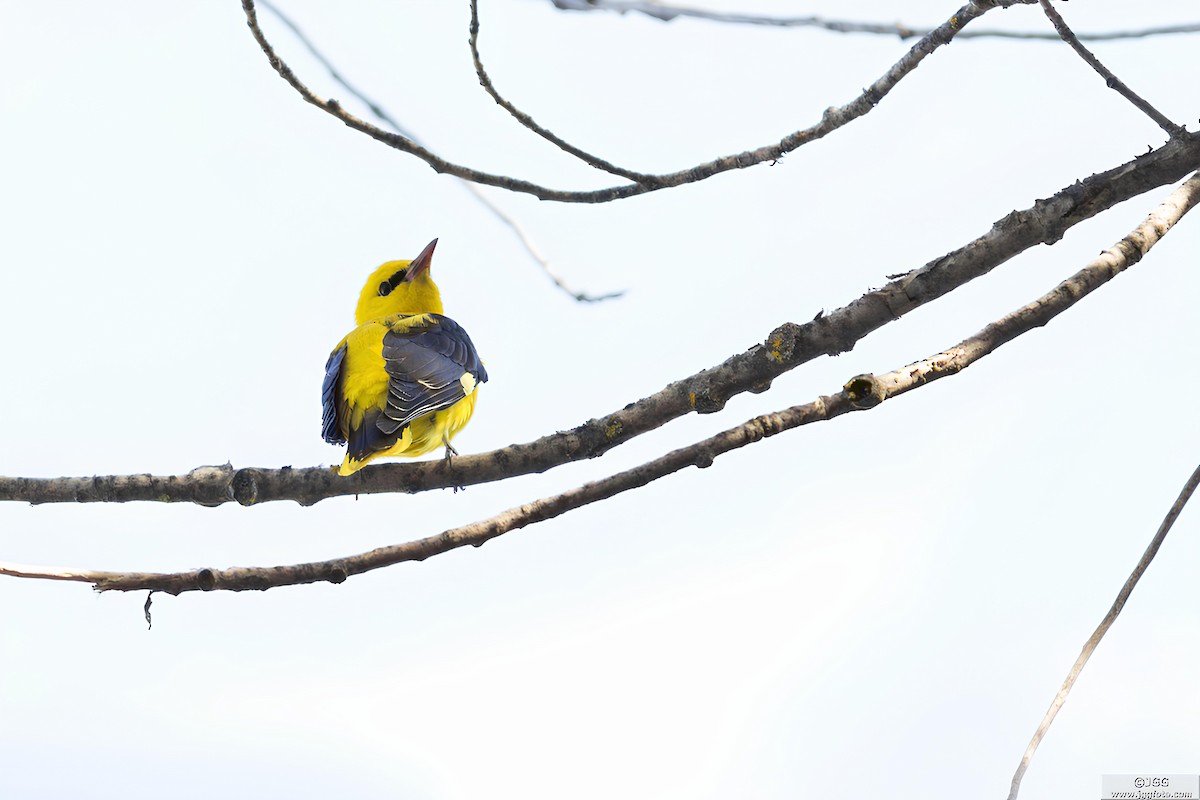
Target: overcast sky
[{"x": 880, "y": 605}]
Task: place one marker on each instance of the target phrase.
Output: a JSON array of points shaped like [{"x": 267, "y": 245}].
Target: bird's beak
[{"x": 420, "y": 264}]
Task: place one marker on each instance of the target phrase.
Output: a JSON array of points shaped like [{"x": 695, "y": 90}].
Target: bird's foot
[{"x": 450, "y": 451}]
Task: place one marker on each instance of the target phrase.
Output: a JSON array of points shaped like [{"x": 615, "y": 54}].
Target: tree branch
[
  {"x": 377, "y": 110},
  {"x": 1093, "y": 642},
  {"x": 786, "y": 348},
  {"x": 859, "y": 394},
  {"x": 668, "y": 13},
  {"x": 1110, "y": 79},
  {"x": 535, "y": 252},
  {"x": 382, "y": 115},
  {"x": 527, "y": 121},
  {"x": 833, "y": 119}
]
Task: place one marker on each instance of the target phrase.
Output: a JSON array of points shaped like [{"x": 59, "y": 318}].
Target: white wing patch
[{"x": 468, "y": 383}]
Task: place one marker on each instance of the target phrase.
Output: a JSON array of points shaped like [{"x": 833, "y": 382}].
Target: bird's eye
[{"x": 385, "y": 289}]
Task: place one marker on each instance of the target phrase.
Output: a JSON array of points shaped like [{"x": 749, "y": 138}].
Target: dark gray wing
[
  {"x": 425, "y": 363},
  {"x": 329, "y": 397}
]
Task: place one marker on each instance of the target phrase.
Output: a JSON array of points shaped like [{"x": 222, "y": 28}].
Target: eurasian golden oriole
[{"x": 404, "y": 381}]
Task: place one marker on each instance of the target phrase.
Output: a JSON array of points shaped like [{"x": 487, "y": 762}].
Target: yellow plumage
[{"x": 404, "y": 381}]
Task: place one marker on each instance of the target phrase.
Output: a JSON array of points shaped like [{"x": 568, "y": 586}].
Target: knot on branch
[
  {"x": 864, "y": 391},
  {"x": 705, "y": 401},
  {"x": 600, "y": 435},
  {"x": 770, "y": 424},
  {"x": 502, "y": 459},
  {"x": 244, "y": 487},
  {"x": 781, "y": 344}
]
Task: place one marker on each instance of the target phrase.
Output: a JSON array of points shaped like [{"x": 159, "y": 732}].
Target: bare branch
[
  {"x": 833, "y": 119},
  {"x": 1110, "y": 79},
  {"x": 1090, "y": 645},
  {"x": 381, "y": 114},
  {"x": 1110, "y": 263},
  {"x": 861, "y": 393},
  {"x": 787, "y": 347},
  {"x": 535, "y": 252},
  {"x": 668, "y": 13},
  {"x": 520, "y": 116},
  {"x": 379, "y": 111}
]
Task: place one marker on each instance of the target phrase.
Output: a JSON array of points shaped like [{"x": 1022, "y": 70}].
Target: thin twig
[
  {"x": 859, "y": 394},
  {"x": 833, "y": 119},
  {"x": 786, "y": 348},
  {"x": 379, "y": 111},
  {"x": 1090, "y": 645},
  {"x": 520, "y": 116},
  {"x": 381, "y": 114},
  {"x": 1112, "y": 81},
  {"x": 667, "y": 13},
  {"x": 535, "y": 252}
]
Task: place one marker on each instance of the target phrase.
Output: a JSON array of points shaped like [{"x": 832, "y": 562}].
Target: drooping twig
[
  {"x": 668, "y": 13},
  {"x": 1094, "y": 640},
  {"x": 376, "y": 109},
  {"x": 860, "y": 393},
  {"x": 832, "y": 119},
  {"x": 381, "y": 114},
  {"x": 1113, "y": 82},
  {"x": 520, "y": 116},
  {"x": 787, "y": 347},
  {"x": 536, "y": 253}
]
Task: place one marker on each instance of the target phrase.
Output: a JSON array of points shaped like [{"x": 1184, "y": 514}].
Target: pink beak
[{"x": 421, "y": 263}]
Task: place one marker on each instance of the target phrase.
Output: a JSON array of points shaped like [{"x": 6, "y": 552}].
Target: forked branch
[
  {"x": 784, "y": 349},
  {"x": 860, "y": 393},
  {"x": 386, "y": 118},
  {"x": 832, "y": 119},
  {"x": 520, "y": 116},
  {"x": 1111, "y": 80}
]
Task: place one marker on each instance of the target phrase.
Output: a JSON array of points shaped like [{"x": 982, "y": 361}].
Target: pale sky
[{"x": 881, "y": 605}]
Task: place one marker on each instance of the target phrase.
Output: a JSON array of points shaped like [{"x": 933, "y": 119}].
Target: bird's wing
[
  {"x": 431, "y": 364},
  {"x": 330, "y": 429}
]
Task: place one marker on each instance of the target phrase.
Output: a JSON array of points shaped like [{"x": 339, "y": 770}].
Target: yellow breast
[{"x": 365, "y": 387}]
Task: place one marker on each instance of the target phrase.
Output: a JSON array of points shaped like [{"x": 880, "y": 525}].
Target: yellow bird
[{"x": 404, "y": 381}]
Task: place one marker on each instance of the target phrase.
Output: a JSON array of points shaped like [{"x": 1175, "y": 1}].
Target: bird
[{"x": 405, "y": 380}]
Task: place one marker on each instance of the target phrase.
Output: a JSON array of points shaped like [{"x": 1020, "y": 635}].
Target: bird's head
[{"x": 400, "y": 287}]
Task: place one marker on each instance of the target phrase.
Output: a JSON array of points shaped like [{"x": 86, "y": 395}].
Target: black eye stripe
[{"x": 391, "y": 283}]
